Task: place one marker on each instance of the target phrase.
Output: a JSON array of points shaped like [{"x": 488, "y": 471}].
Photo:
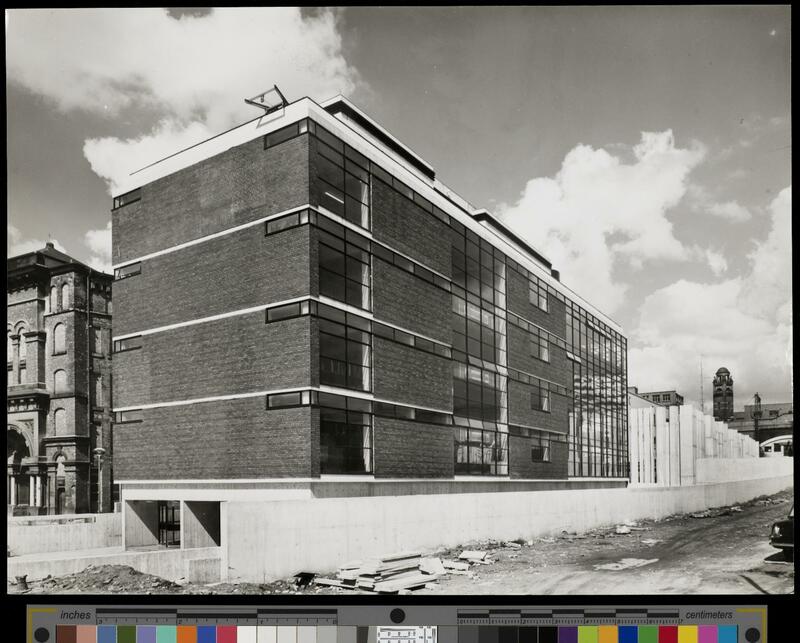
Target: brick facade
[{"x": 56, "y": 417}]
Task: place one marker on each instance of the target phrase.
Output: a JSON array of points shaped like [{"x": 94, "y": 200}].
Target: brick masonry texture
[
  {"x": 519, "y": 302},
  {"x": 558, "y": 369},
  {"x": 520, "y": 411},
  {"x": 238, "y": 354},
  {"x": 520, "y": 464},
  {"x": 235, "y": 271},
  {"x": 405, "y": 374},
  {"x": 220, "y": 440},
  {"x": 239, "y": 185},
  {"x": 405, "y": 226},
  {"x": 410, "y": 302},
  {"x": 406, "y": 449}
]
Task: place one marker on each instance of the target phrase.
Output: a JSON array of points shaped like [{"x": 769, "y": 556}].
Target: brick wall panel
[
  {"x": 238, "y": 185},
  {"x": 238, "y": 354},
  {"x": 404, "y": 374},
  {"x": 405, "y": 226},
  {"x": 410, "y": 302},
  {"x": 235, "y": 271},
  {"x": 406, "y": 449},
  {"x": 216, "y": 440}
]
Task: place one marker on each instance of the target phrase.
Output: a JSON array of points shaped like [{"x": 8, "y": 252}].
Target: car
[{"x": 781, "y": 536}]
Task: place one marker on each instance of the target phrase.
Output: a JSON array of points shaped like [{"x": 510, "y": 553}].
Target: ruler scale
[{"x": 407, "y": 624}]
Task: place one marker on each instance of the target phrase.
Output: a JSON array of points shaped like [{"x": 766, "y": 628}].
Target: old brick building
[
  {"x": 58, "y": 337},
  {"x": 301, "y": 304}
]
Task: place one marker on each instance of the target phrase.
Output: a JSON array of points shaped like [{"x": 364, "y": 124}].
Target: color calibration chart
[{"x": 401, "y": 624}]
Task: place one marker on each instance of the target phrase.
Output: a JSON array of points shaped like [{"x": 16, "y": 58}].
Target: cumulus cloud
[
  {"x": 99, "y": 242},
  {"x": 730, "y": 210},
  {"x": 598, "y": 210},
  {"x": 191, "y": 73},
  {"x": 17, "y": 244},
  {"x": 716, "y": 261},
  {"x": 743, "y": 323}
]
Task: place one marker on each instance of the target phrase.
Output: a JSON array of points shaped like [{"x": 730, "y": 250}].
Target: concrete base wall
[
  {"x": 727, "y": 469},
  {"x": 44, "y": 534},
  {"x": 198, "y": 565},
  {"x": 267, "y": 540}
]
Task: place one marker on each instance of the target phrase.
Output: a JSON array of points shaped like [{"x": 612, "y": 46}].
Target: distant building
[
  {"x": 637, "y": 401},
  {"x": 773, "y": 427},
  {"x": 664, "y": 398},
  {"x": 58, "y": 393},
  {"x": 723, "y": 395}
]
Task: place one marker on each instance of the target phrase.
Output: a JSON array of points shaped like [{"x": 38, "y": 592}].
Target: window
[
  {"x": 479, "y": 394},
  {"x": 9, "y": 348},
  {"x": 128, "y": 344},
  {"x": 122, "y": 417},
  {"x": 284, "y": 134},
  {"x": 53, "y": 299},
  {"x": 540, "y": 398},
  {"x": 65, "y": 298},
  {"x": 283, "y": 400},
  {"x": 540, "y": 345},
  {"x": 288, "y": 311},
  {"x": 480, "y": 452},
  {"x": 343, "y": 178},
  {"x": 98, "y": 390},
  {"x": 538, "y": 294},
  {"x": 345, "y": 352},
  {"x": 345, "y": 441},
  {"x": 59, "y": 339},
  {"x": 60, "y": 382},
  {"x": 60, "y": 422},
  {"x": 540, "y": 448},
  {"x": 127, "y": 271},
  {"x": 344, "y": 266},
  {"x": 99, "y": 344},
  {"x": 127, "y": 198}
]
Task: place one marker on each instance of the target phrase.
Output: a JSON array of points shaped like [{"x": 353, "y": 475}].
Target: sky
[{"x": 644, "y": 150}]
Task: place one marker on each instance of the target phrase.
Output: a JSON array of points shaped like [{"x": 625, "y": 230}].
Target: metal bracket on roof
[{"x": 275, "y": 101}]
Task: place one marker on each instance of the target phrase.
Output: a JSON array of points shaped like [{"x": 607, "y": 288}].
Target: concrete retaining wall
[
  {"x": 200, "y": 565},
  {"x": 269, "y": 540},
  {"x": 44, "y": 534},
  {"x": 727, "y": 469}
]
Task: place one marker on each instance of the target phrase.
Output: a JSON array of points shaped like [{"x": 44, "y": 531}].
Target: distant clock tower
[{"x": 723, "y": 395}]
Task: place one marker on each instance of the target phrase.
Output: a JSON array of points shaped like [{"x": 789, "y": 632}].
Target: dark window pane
[{"x": 281, "y": 135}]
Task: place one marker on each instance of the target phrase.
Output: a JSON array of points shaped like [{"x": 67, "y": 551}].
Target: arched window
[
  {"x": 23, "y": 345},
  {"x": 60, "y": 422},
  {"x": 59, "y": 339},
  {"x": 53, "y": 299},
  {"x": 60, "y": 382},
  {"x": 9, "y": 347},
  {"x": 60, "y": 460},
  {"x": 98, "y": 390},
  {"x": 65, "y": 301}
]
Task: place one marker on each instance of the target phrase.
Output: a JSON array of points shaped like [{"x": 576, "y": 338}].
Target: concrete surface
[{"x": 45, "y": 534}]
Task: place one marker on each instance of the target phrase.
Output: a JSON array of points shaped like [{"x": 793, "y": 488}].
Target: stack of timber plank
[{"x": 387, "y": 574}]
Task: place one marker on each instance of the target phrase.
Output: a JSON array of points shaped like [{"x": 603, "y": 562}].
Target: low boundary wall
[
  {"x": 197, "y": 565},
  {"x": 47, "y": 534},
  {"x": 264, "y": 541}
]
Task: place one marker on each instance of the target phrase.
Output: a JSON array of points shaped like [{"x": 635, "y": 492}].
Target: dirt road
[{"x": 727, "y": 553}]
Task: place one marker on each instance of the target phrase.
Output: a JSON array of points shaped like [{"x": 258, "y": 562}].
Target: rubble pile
[{"x": 120, "y": 579}]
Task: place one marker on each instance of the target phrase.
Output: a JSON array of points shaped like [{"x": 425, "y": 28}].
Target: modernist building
[
  {"x": 59, "y": 385},
  {"x": 300, "y": 302},
  {"x": 664, "y": 398},
  {"x": 723, "y": 395}
]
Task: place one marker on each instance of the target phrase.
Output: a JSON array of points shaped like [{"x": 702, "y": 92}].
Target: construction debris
[
  {"x": 473, "y": 555},
  {"x": 454, "y": 565},
  {"x": 388, "y": 574},
  {"x": 622, "y": 529}
]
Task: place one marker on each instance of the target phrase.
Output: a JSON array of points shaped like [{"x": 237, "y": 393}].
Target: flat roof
[{"x": 370, "y": 139}]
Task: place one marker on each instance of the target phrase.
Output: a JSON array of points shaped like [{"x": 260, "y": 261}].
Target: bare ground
[{"x": 724, "y": 550}]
